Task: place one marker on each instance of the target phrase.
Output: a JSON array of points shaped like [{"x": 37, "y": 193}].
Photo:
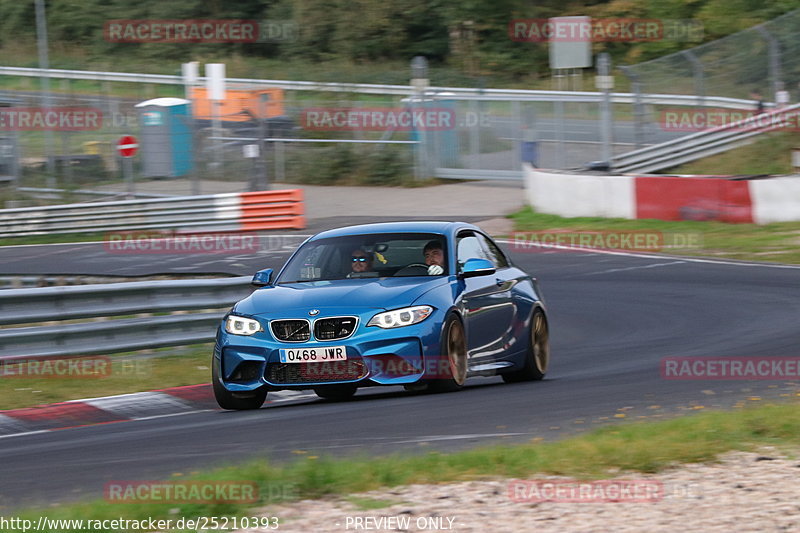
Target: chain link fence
[
  {"x": 760, "y": 60},
  {"x": 317, "y": 137}
]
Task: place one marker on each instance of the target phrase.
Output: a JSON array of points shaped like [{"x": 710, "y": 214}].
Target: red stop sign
[{"x": 127, "y": 146}]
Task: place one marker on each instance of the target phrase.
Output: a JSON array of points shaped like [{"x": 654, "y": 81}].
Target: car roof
[{"x": 426, "y": 226}]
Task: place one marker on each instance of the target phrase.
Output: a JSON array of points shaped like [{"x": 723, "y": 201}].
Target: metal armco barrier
[
  {"x": 702, "y": 144},
  {"x": 262, "y": 210},
  {"x": 103, "y": 301},
  {"x": 453, "y": 93}
]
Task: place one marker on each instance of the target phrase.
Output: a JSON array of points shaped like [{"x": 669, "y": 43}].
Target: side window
[
  {"x": 469, "y": 247},
  {"x": 496, "y": 255}
]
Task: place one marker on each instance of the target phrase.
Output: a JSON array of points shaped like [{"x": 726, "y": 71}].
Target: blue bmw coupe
[{"x": 418, "y": 304}]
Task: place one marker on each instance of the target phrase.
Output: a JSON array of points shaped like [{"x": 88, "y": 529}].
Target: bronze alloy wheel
[
  {"x": 537, "y": 357},
  {"x": 540, "y": 342},
  {"x": 457, "y": 352}
]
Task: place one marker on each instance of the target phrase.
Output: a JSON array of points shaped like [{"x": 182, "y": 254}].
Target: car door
[
  {"x": 485, "y": 303},
  {"x": 506, "y": 278}
]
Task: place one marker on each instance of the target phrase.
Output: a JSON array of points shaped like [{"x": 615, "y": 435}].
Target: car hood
[{"x": 382, "y": 293}]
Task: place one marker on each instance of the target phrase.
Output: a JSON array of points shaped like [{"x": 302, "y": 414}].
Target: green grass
[
  {"x": 51, "y": 238},
  {"x": 771, "y": 154},
  {"x": 646, "y": 447},
  {"x": 768, "y": 242},
  {"x": 188, "y": 366},
  {"x": 368, "y": 504}
]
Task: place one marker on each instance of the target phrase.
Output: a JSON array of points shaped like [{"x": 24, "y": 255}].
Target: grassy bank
[
  {"x": 771, "y": 154},
  {"x": 128, "y": 373},
  {"x": 637, "y": 447},
  {"x": 776, "y": 242}
]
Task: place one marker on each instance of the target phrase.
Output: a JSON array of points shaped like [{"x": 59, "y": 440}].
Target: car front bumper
[{"x": 375, "y": 356}]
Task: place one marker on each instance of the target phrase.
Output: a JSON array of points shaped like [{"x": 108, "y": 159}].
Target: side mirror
[
  {"x": 262, "y": 278},
  {"x": 477, "y": 267}
]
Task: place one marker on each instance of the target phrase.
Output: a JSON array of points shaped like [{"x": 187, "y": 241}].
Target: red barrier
[
  {"x": 676, "y": 198},
  {"x": 266, "y": 210}
]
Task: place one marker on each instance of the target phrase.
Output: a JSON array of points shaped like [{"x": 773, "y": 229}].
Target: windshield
[{"x": 368, "y": 256}]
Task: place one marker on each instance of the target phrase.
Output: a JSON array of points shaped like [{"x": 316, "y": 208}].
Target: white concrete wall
[
  {"x": 775, "y": 199},
  {"x": 574, "y": 195}
]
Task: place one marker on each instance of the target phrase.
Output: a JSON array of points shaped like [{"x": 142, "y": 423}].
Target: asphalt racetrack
[{"x": 612, "y": 319}]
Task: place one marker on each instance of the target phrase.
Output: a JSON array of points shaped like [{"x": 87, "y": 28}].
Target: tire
[
  {"x": 336, "y": 393},
  {"x": 538, "y": 356},
  {"x": 235, "y": 401},
  {"x": 452, "y": 375}
]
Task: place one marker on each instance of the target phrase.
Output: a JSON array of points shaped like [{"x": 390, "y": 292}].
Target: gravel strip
[{"x": 744, "y": 492}]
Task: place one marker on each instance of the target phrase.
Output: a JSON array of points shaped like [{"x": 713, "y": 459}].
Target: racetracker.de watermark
[
  {"x": 378, "y": 119},
  {"x": 581, "y": 240},
  {"x": 604, "y": 30},
  {"x": 433, "y": 367},
  {"x": 50, "y": 119},
  {"x": 75, "y": 367},
  {"x": 602, "y": 491},
  {"x": 730, "y": 368},
  {"x": 208, "y": 31},
  {"x": 698, "y": 120},
  {"x": 181, "y": 491},
  {"x": 155, "y": 242},
  {"x": 56, "y": 367}
]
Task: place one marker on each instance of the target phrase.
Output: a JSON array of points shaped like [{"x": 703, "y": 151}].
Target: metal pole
[
  {"x": 638, "y": 107},
  {"x": 194, "y": 169},
  {"x": 127, "y": 167},
  {"x": 561, "y": 160},
  {"x": 217, "y": 126},
  {"x": 606, "y": 124},
  {"x": 774, "y": 64},
  {"x": 280, "y": 162},
  {"x": 44, "y": 63},
  {"x": 263, "y": 181},
  {"x": 699, "y": 77}
]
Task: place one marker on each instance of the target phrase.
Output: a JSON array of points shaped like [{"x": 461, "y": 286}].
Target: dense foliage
[{"x": 467, "y": 35}]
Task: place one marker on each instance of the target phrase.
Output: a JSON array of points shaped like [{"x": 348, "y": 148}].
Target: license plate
[{"x": 313, "y": 355}]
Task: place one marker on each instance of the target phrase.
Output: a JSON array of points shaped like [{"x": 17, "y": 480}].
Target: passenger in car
[{"x": 360, "y": 261}]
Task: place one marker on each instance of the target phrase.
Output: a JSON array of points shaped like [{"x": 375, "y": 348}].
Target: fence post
[
  {"x": 605, "y": 83},
  {"x": 774, "y": 64},
  {"x": 699, "y": 77},
  {"x": 638, "y": 108}
]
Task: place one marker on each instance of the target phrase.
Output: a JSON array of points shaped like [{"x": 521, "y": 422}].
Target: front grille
[
  {"x": 329, "y": 329},
  {"x": 327, "y": 372},
  {"x": 291, "y": 330}
]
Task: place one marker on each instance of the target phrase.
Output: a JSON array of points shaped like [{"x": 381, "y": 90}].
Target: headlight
[
  {"x": 239, "y": 325},
  {"x": 401, "y": 317}
]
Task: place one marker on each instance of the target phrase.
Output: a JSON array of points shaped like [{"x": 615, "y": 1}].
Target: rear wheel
[
  {"x": 336, "y": 392},
  {"x": 235, "y": 401},
  {"x": 451, "y": 372},
  {"x": 538, "y": 357}
]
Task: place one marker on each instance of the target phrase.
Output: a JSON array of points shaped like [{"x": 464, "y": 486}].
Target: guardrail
[
  {"x": 220, "y": 212},
  {"x": 704, "y": 143},
  {"x": 102, "y": 301},
  {"x": 452, "y": 93}
]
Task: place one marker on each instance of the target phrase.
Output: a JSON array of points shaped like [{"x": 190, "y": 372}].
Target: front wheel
[
  {"x": 538, "y": 357},
  {"x": 235, "y": 401}
]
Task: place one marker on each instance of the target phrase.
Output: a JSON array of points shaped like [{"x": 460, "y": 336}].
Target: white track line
[{"x": 661, "y": 256}]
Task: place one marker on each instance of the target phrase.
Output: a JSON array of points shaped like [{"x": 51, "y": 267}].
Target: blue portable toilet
[{"x": 166, "y": 137}]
